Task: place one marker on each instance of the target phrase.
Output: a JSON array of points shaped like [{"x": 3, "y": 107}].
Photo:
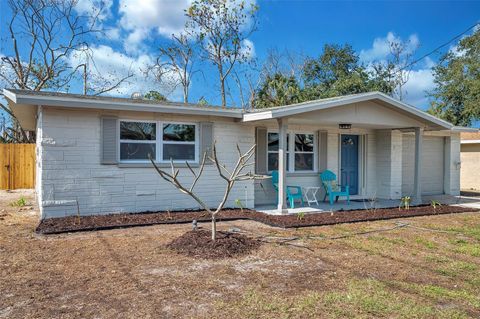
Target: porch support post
[
  {"x": 282, "y": 165},
  {"x": 417, "y": 182}
]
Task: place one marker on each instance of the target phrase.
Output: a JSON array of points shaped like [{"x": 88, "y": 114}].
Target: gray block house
[{"x": 92, "y": 151}]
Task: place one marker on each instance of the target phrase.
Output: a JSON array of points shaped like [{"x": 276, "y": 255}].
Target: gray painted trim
[
  {"x": 302, "y": 174},
  {"x": 161, "y": 165},
  {"x": 261, "y": 150},
  {"x": 206, "y": 141},
  {"x": 109, "y": 144}
]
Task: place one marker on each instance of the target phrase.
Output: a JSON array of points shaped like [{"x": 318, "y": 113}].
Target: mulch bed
[
  {"x": 87, "y": 223},
  {"x": 198, "y": 243}
]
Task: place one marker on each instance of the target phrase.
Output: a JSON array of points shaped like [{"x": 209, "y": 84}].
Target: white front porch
[
  {"x": 341, "y": 205},
  {"x": 396, "y": 154}
]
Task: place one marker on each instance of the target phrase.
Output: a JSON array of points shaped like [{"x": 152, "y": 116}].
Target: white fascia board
[
  {"x": 470, "y": 142},
  {"x": 257, "y": 116},
  {"x": 465, "y": 129},
  {"x": 69, "y": 102},
  {"x": 10, "y": 95}
]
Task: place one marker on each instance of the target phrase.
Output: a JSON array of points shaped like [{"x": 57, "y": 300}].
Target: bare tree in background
[
  {"x": 250, "y": 79},
  {"x": 175, "y": 64},
  {"x": 44, "y": 34},
  {"x": 221, "y": 28},
  {"x": 230, "y": 176},
  {"x": 400, "y": 64}
]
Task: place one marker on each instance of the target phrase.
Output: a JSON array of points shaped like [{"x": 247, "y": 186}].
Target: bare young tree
[
  {"x": 175, "y": 64},
  {"x": 221, "y": 28},
  {"x": 232, "y": 176},
  {"x": 401, "y": 54}
]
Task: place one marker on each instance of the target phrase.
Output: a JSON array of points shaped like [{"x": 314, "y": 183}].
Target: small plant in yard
[
  {"x": 19, "y": 203},
  {"x": 405, "y": 202},
  {"x": 230, "y": 176},
  {"x": 435, "y": 204},
  {"x": 300, "y": 215},
  {"x": 239, "y": 204}
]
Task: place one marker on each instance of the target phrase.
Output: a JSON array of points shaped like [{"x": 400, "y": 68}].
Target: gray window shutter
[
  {"x": 206, "y": 139},
  {"x": 322, "y": 150},
  {"x": 261, "y": 150},
  {"x": 109, "y": 143}
]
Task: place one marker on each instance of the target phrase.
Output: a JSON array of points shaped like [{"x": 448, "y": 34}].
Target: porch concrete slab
[{"x": 323, "y": 207}]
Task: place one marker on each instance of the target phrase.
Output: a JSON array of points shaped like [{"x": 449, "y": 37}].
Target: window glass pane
[
  {"x": 136, "y": 151},
  {"x": 178, "y": 152},
  {"x": 273, "y": 162},
  {"x": 304, "y": 162},
  {"x": 140, "y": 131},
  {"x": 273, "y": 142},
  {"x": 304, "y": 142},
  {"x": 179, "y": 132}
]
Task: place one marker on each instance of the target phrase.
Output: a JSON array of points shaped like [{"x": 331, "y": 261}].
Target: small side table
[{"x": 310, "y": 194}]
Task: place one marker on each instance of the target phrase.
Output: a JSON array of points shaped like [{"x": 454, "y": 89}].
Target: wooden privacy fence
[{"x": 17, "y": 166}]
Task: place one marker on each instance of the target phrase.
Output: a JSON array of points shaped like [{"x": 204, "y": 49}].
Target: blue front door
[{"x": 349, "y": 165}]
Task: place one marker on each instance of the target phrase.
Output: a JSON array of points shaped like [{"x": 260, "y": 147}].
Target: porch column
[
  {"x": 417, "y": 182},
  {"x": 282, "y": 165}
]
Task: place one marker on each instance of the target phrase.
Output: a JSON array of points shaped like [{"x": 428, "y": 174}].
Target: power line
[{"x": 440, "y": 47}]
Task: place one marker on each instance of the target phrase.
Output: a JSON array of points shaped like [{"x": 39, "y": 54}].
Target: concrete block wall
[
  {"x": 453, "y": 164},
  {"x": 73, "y": 180},
  {"x": 389, "y": 164}
]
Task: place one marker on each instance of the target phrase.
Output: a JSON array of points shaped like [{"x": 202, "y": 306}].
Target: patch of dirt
[
  {"x": 130, "y": 273},
  {"x": 100, "y": 222},
  {"x": 198, "y": 243}
]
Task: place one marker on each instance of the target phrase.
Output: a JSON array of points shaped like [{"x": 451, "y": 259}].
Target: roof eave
[{"x": 116, "y": 105}]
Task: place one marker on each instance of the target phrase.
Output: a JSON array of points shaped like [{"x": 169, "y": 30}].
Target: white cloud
[
  {"x": 248, "y": 49},
  {"x": 142, "y": 17},
  {"x": 145, "y": 18},
  {"x": 419, "y": 83},
  {"x": 94, "y": 8},
  {"x": 111, "y": 65},
  {"x": 381, "y": 47},
  {"x": 420, "y": 80}
]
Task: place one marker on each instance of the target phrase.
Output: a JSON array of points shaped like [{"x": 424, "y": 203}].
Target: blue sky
[{"x": 136, "y": 28}]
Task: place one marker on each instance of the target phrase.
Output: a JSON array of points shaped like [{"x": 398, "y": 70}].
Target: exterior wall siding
[
  {"x": 470, "y": 171},
  {"x": 434, "y": 156},
  {"x": 74, "y": 181}
]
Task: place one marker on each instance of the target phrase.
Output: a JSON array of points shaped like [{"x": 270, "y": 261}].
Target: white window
[
  {"x": 178, "y": 142},
  {"x": 137, "y": 140},
  {"x": 304, "y": 154},
  {"x": 272, "y": 151},
  {"x": 163, "y": 141}
]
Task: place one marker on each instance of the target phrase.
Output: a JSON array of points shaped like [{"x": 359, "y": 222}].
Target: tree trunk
[
  {"x": 222, "y": 88},
  {"x": 185, "y": 94},
  {"x": 214, "y": 228}
]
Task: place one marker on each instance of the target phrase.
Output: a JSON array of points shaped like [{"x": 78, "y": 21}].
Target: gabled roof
[{"x": 323, "y": 104}]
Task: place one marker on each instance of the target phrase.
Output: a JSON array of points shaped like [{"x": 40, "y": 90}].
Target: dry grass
[{"x": 128, "y": 273}]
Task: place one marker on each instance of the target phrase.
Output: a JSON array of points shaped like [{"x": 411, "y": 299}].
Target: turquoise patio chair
[
  {"x": 293, "y": 192},
  {"x": 332, "y": 189}
]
